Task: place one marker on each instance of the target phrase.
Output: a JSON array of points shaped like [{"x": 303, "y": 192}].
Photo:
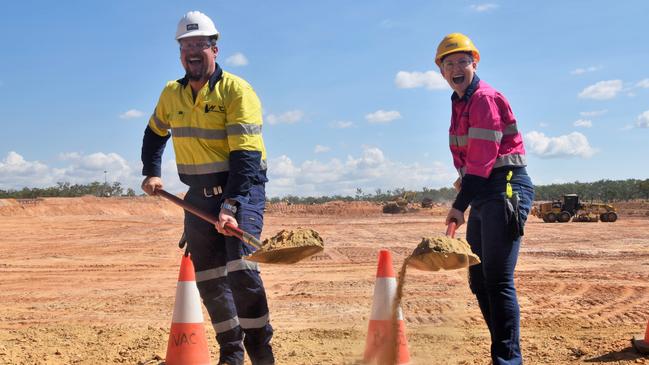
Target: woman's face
[{"x": 458, "y": 70}]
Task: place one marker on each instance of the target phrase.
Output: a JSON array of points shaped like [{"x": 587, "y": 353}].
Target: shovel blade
[
  {"x": 288, "y": 255},
  {"x": 434, "y": 261}
]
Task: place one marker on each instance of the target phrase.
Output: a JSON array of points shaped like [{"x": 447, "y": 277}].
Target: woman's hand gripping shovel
[
  {"x": 286, "y": 247},
  {"x": 448, "y": 252}
]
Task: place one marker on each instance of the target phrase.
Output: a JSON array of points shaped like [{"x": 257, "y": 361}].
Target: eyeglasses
[
  {"x": 196, "y": 45},
  {"x": 462, "y": 63}
]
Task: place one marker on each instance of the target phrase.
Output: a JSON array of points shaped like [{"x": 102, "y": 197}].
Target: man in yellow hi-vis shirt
[{"x": 215, "y": 120}]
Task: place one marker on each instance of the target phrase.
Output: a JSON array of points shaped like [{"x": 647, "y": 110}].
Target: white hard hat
[{"x": 195, "y": 24}]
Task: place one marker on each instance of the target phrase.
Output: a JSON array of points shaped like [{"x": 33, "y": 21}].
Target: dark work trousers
[
  {"x": 492, "y": 281},
  {"x": 230, "y": 287}
]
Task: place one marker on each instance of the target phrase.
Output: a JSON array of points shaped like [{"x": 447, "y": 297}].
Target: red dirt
[{"x": 91, "y": 281}]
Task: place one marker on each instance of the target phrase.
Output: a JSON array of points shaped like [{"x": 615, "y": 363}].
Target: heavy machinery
[
  {"x": 401, "y": 204},
  {"x": 572, "y": 208}
]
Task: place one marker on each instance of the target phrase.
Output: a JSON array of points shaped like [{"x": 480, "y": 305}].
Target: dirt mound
[
  {"x": 87, "y": 205},
  {"x": 635, "y": 208},
  {"x": 337, "y": 208}
]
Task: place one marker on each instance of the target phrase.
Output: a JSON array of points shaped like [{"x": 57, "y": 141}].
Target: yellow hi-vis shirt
[{"x": 226, "y": 116}]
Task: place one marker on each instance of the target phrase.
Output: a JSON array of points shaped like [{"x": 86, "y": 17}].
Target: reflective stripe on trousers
[{"x": 231, "y": 287}]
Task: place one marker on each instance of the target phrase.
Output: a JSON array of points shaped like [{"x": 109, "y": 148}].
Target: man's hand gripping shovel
[{"x": 271, "y": 251}]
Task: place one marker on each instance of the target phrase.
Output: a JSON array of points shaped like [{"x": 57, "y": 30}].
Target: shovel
[
  {"x": 448, "y": 253},
  {"x": 274, "y": 255}
]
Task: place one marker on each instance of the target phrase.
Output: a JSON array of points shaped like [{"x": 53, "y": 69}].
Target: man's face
[
  {"x": 198, "y": 56},
  {"x": 458, "y": 70}
]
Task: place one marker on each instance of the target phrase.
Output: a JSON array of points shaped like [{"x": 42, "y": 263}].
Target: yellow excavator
[{"x": 572, "y": 209}]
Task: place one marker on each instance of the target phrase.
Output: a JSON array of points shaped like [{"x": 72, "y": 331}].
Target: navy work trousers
[
  {"x": 231, "y": 287},
  {"x": 492, "y": 281}
]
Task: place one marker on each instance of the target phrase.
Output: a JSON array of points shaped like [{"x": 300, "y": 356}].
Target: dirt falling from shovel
[{"x": 432, "y": 245}]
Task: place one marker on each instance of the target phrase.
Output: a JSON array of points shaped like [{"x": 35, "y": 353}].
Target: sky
[{"x": 351, "y": 95}]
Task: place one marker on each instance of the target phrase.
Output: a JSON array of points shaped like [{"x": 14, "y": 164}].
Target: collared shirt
[
  {"x": 483, "y": 135},
  {"x": 216, "y": 135}
]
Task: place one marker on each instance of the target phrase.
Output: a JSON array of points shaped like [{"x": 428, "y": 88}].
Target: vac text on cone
[
  {"x": 187, "y": 342},
  {"x": 379, "y": 345}
]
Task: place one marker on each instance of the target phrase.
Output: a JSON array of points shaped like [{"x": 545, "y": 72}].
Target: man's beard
[
  {"x": 197, "y": 72},
  {"x": 197, "y": 75}
]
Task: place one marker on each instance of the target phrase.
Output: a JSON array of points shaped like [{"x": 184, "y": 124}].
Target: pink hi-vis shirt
[{"x": 483, "y": 133}]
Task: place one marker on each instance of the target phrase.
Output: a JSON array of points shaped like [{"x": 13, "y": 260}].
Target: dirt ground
[{"x": 92, "y": 281}]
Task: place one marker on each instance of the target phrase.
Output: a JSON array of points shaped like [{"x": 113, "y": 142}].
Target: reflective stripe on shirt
[
  {"x": 193, "y": 132},
  {"x": 485, "y": 134},
  {"x": 513, "y": 159}
]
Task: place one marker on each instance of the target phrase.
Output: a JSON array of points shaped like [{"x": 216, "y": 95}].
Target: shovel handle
[
  {"x": 450, "y": 230},
  {"x": 235, "y": 231}
]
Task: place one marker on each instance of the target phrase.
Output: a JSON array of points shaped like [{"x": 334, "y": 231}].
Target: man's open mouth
[{"x": 194, "y": 61}]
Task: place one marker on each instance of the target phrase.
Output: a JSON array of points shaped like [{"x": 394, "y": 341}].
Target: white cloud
[
  {"x": 544, "y": 125},
  {"x": 431, "y": 80},
  {"x": 289, "y": 117},
  {"x": 580, "y": 71},
  {"x": 643, "y": 84},
  {"x": 77, "y": 168},
  {"x": 238, "y": 59},
  {"x": 88, "y": 168},
  {"x": 370, "y": 171},
  {"x": 583, "y": 123},
  {"x": 383, "y": 116},
  {"x": 341, "y": 124},
  {"x": 16, "y": 172},
  {"x": 131, "y": 113},
  {"x": 319, "y": 149},
  {"x": 594, "y": 113},
  {"x": 602, "y": 90},
  {"x": 569, "y": 145},
  {"x": 480, "y": 8},
  {"x": 643, "y": 120}
]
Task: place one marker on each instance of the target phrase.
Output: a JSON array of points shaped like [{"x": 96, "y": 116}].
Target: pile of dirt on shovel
[
  {"x": 298, "y": 237},
  {"x": 443, "y": 245}
]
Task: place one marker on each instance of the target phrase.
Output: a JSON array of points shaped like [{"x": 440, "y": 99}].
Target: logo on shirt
[{"x": 212, "y": 108}]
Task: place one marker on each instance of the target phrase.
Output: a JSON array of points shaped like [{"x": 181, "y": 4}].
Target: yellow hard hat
[{"x": 455, "y": 42}]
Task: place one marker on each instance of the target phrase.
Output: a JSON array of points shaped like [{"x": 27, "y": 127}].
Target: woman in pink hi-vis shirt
[{"x": 489, "y": 156}]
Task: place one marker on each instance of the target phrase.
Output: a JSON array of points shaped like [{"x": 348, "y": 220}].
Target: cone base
[
  {"x": 378, "y": 346},
  {"x": 640, "y": 345},
  {"x": 187, "y": 345}
]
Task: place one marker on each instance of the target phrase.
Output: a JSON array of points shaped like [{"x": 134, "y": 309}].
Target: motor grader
[{"x": 571, "y": 208}]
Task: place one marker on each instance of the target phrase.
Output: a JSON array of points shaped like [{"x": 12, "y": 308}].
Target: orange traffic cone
[
  {"x": 641, "y": 345},
  {"x": 380, "y": 343},
  {"x": 187, "y": 342}
]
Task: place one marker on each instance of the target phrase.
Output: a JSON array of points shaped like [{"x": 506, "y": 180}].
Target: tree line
[
  {"x": 65, "y": 189},
  {"x": 602, "y": 190}
]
